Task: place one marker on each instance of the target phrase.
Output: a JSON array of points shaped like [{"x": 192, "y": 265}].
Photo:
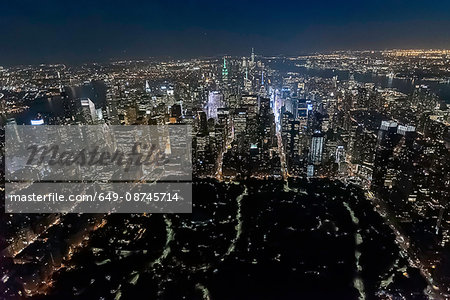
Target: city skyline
[
  {"x": 225, "y": 150},
  {"x": 82, "y": 31}
]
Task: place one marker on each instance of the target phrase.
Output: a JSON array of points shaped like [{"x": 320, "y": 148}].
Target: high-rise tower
[
  {"x": 315, "y": 155},
  {"x": 224, "y": 71}
]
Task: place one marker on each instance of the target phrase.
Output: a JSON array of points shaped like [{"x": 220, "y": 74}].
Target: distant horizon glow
[{"x": 81, "y": 31}]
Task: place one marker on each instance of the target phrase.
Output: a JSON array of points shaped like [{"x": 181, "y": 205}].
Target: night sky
[{"x": 78, "y": 31}]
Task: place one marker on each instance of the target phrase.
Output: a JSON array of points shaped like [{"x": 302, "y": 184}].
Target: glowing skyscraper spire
[{"x": 224, "y": 71}]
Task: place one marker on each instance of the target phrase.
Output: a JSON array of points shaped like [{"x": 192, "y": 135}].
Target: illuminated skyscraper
[
  {"x": 247, "y": 82},
  {"x": 315, "y": 155},
  {"x": 240, "y": 121},
  {"x": 290, "y": 134},
  {"x": 88, "y": 111},
  {"x": 224, "y": 71},
  {"x": 244, "y": 62},
  {"x": 215, "y": 100}
]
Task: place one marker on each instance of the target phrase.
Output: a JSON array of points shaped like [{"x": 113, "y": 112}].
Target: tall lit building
[
  {"x": 247, "y": 81},
  {"x": 290, "y": 133},
  {"x": 386, "y": 141},
  {"x": 224, "y": 71},
  {"x": 240, "y": 121},
  {"x": 315, "y": 156},
  {"x": 88, "y": 111},
  {"x": 215, "y": 100}
]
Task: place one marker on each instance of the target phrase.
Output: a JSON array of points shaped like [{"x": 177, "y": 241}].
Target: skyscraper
[
  {"x": 224, "y": 71},
  {"x": 215, "y": 100},
  {"x": 315, "y": 156},
  {"x": 88, "y": 112},
  {"x": 147, "y": 87}
]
